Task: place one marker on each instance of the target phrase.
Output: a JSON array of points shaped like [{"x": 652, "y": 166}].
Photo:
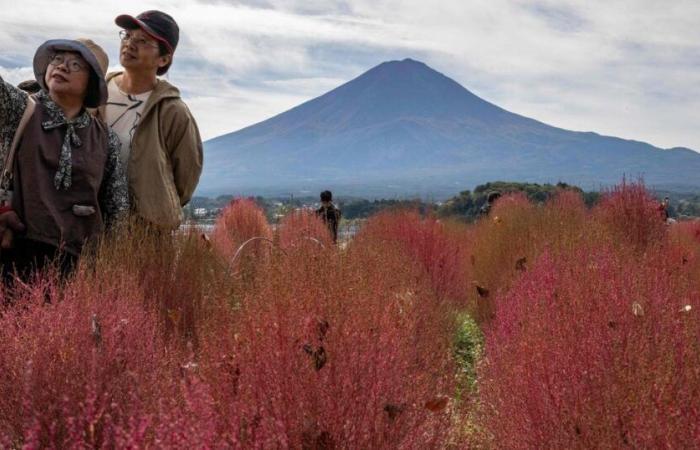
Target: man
[
  {"x": 490, "y": 200},
  {"x": 663, "y": 209},
  {"x": 161, "y": 146},
  {"x": 61, "y": 164},
  {"x": 329, "y": 213}
]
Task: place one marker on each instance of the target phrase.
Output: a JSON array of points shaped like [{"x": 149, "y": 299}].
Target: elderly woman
[{"x": 62, "y": 182}]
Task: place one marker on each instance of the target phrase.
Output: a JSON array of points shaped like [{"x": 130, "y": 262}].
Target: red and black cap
[{"x": 157, "y": 24}]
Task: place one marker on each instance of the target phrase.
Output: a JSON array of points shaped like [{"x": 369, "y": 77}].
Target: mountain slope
[{"x": 405, "y": 124}]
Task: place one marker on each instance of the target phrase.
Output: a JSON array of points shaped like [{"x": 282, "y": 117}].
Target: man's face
[
  {"x": 139, "y": 51},
  {"x": 67, "y": 74}
]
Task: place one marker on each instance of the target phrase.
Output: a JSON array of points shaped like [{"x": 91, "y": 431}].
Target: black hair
[
  {"x": 162, "y": 51},
  {"x": 326, "y": 196},
  {"x": 92, "y": 98},
  {"x": 493, "y": 196}
]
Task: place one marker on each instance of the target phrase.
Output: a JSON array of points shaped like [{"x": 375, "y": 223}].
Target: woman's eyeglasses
[{"x": 71, "y": 64}]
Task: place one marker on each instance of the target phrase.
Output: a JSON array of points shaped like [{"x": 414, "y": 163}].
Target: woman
[{"x": 60, "y": 163}]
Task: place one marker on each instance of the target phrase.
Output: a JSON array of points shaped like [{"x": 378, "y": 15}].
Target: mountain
[{"x": 403, "y": 127}]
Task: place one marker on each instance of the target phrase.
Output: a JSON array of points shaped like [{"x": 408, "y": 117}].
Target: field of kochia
[{"x": 540, "y": 326}]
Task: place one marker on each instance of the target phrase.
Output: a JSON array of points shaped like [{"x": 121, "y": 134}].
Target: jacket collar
[
  {"x": 162, "y": 91},
  {"x": 56, "y": 113}
]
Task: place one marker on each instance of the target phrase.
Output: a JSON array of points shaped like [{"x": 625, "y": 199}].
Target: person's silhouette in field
[
  {"x": 490, "y": 200},
  {"x": 329, "y": 213}
]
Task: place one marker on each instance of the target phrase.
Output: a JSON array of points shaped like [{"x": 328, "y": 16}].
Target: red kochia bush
[
  {"x": 241, "y": 220},
  {"x": 335, "y": 350},
  {"x": 93, "y": 369},
  {"x": 630, "y": 216},
  {"x": 243, "y": 238},
  {"x": 302, "y": 228},
  {"x": 426, "y": 241},
  {"x": 593, "y": 350}
]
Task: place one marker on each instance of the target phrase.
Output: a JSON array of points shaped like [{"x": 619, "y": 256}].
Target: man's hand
[{"x": 9, "y": 224}]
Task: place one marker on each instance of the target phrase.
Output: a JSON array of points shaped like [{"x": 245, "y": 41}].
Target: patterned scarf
[{"x": 63, "y": 177}]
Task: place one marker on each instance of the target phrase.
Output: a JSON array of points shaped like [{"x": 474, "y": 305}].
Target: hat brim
[
  {"x": 41, "y": 62},
  {"x": 129, "y": 22}
]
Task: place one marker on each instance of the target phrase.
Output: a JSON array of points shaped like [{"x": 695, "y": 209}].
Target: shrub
[
  {"x": 303, "y": 228},
  {"x": 499, "y": 241},
  {"x": 594, "y": 349},
  {"x": 438, "y": 249},
  {"x": 629, "y": 216},
  {"x": 239, "y": 222},
  {"x": 336, "y": 349},
  {"x": 79, "y": 366}
]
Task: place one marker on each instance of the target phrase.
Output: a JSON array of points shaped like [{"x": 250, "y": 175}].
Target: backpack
[{"x": 331, "y": 217}]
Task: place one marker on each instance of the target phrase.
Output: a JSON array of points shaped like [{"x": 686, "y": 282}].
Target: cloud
[
  {"x": 16, "y": 75},
  {"x": 626, "y": 68}
]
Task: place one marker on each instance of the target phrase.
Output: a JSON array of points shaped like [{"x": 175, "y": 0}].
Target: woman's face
[{"x": 67, "y": 74}]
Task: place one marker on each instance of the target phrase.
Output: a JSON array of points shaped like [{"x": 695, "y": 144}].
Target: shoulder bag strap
[{"x": 6, "y": 176}]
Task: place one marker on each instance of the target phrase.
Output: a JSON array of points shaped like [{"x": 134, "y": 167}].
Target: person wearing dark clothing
[
  {"x": 62, "y": 182},
  {"x": 329, "y": 213},
  {"x": 663, "y": 209},
  {"x": 490, "y": 200}
]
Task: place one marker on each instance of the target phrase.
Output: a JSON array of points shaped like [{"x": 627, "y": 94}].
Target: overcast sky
[{"x": 627, "y": 68}]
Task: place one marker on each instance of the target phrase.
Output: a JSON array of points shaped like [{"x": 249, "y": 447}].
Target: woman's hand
[{"x": 9, "y": 224}]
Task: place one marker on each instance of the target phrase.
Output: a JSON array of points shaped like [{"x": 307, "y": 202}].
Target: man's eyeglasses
[
  {"x": 140, "y": 42},
  {"x": 71, "y": 64}
]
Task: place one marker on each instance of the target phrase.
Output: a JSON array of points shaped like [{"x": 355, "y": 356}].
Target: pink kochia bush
[
  {"x": 592, "y": 338},
  {"x": 427, "y": 242},
  {"x": 595, "y": 350},
  {"x": 335, "y": 350},
  {"x": 322, "y": 349},
  {"x": 630, "y": 216},
  {"x": 241, "y": 220},
  {"x": 242, "y": 238},
  {"x": 302, "y": 228},
  {"x": 91, "y": 369}
]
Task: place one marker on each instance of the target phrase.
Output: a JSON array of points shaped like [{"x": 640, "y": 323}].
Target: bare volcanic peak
[{"x": 404, "y": 124}]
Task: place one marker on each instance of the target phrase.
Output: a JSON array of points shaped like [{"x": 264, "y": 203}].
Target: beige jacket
[{"x": 166, "y": 158}]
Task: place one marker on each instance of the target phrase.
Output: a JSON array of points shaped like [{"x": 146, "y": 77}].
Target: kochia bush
[
  {"x": 336, "y": 350},
  {"x": 630, "y": 217},
  {"x": 428, "y": 242},
  {"x": 595, "y": 350}
]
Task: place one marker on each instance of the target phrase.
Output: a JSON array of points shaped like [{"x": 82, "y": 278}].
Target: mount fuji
[{"x": 404, "y": 128}]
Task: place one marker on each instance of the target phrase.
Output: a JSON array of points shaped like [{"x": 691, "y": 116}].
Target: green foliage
[
  {"x": 466, "y": 205},
  {"x": 468, "y": 348},
  {"x": 682, "y": 204},
  {"x": 469, "y": 204},
  {"x": 361, "y": 209}
]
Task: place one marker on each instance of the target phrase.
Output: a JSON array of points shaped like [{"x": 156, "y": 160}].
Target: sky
[{"x": 626, "y": 68}]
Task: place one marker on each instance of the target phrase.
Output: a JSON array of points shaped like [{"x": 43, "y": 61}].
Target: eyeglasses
[
  {"x": 140, "y": 42},
  {"x": 71, "y": 64}
]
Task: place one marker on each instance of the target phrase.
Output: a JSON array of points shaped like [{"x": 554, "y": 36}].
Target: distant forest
[{"x": 465, "y": 205}]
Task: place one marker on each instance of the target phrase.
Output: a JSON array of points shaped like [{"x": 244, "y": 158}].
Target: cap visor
[{"x": 132, "y": 23}]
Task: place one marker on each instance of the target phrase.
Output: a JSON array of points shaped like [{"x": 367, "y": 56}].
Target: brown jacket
[
  {"x": 166, "y": 158},
  {"x": 50, "y": 214}
]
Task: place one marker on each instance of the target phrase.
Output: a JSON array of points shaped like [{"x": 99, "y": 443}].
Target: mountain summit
[{"x": 404, "y": 126}]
